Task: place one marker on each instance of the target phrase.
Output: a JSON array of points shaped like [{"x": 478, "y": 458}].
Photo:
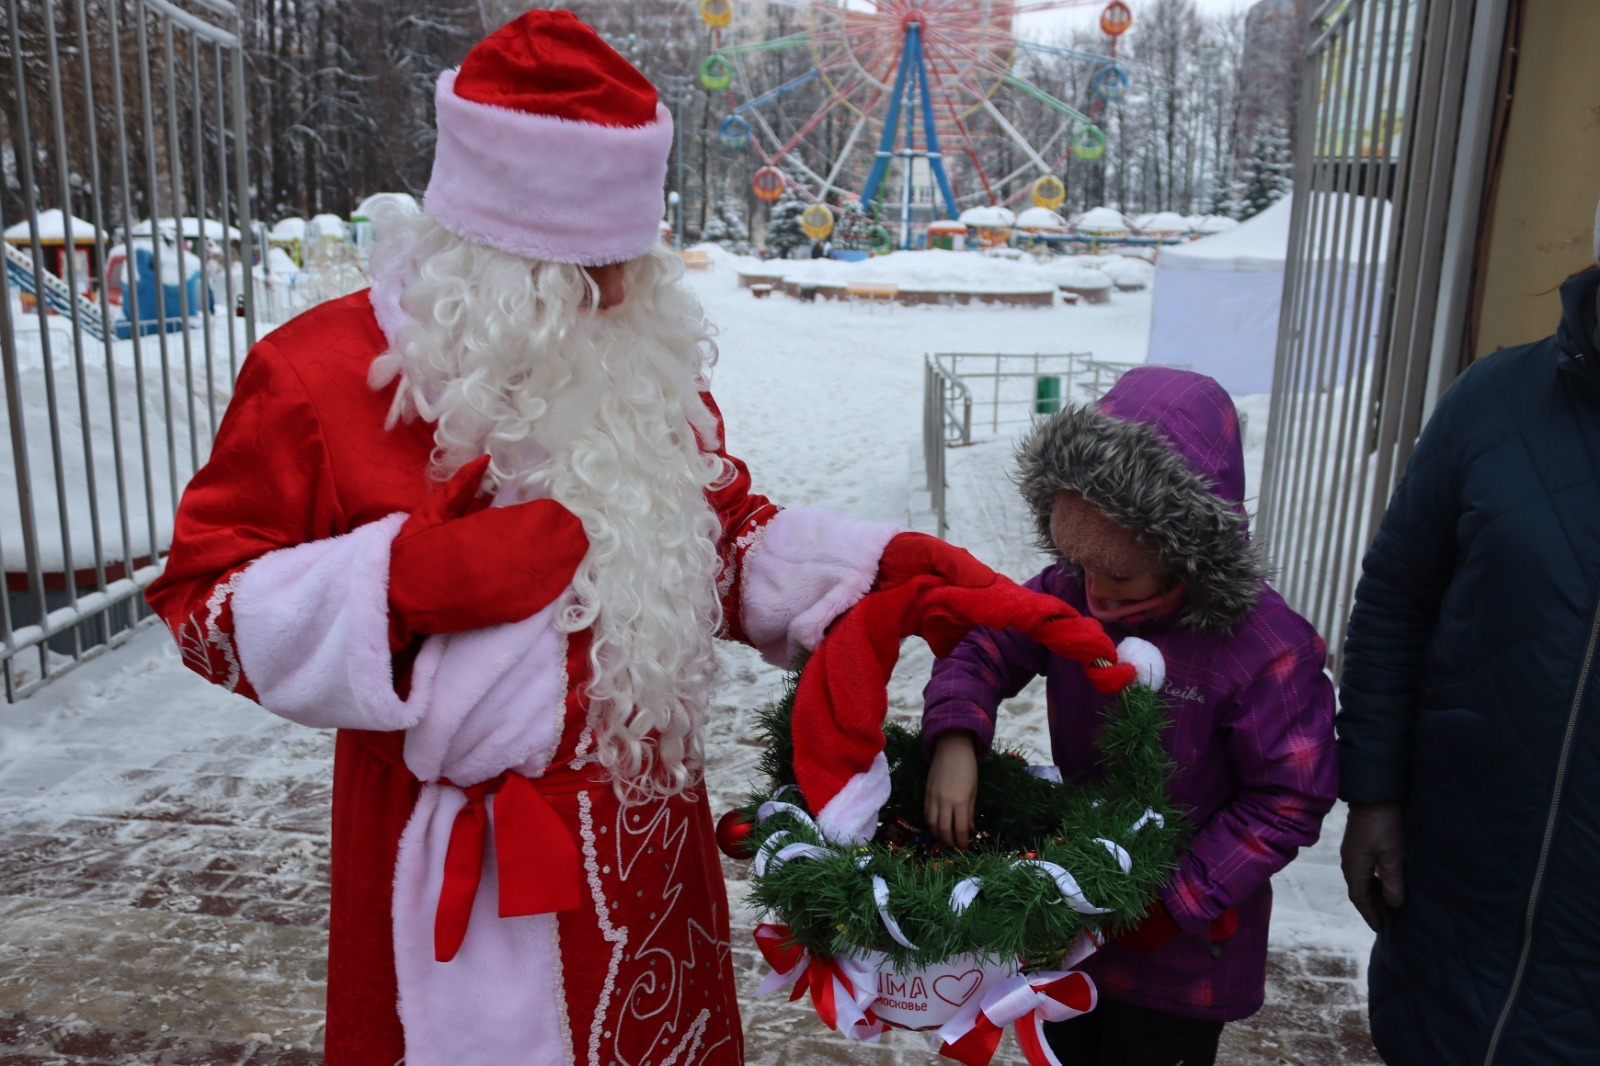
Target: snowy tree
[
  {"x": 727, "y": 227},
  {"x": 784, "y": 234},
  {"x": 852, "y": 227},
  {"x": 1267, "y": 176}
]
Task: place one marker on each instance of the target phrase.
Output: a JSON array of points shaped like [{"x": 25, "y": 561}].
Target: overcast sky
[{"x": 1047, "y": 25}]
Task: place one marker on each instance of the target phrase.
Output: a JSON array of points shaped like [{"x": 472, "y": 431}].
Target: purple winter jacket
[{"x": 1252, "y": 735}]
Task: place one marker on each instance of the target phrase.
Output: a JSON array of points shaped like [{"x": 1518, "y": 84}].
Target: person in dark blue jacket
[{"x": 1469, "y": 734}]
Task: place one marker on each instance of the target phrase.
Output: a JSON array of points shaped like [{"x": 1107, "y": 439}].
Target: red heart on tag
[{"x": 956, "y": 990}]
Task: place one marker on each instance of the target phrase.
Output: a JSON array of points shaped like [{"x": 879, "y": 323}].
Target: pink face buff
[{"x": 1139, "y": 610}]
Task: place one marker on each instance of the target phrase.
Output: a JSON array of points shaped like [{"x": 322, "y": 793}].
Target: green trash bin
[{"x": 1046, "y": 395}]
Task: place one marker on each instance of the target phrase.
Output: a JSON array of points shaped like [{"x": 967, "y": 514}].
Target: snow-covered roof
[
  {"x": 1261, "y": 243},
  {"x": 947, "y": 225},
  {"x": 1165, "y": 222},
  {"x": 1101, "y": 220},
  {"x": 292, "y": 228},
  {"x": 52, "y": 227},
  {"x": 1040, "y": 218},
  {"x": 381, "y": 203},
  {"x": 191, "y": 228},
  {"x": 327, "y": 225},
  {"x": 988, "y": 215}
]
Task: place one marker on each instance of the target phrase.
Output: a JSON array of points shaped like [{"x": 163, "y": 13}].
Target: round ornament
[{"x": 733, "y": 835}]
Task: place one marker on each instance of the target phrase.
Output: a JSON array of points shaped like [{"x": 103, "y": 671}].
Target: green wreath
[{"x": 1117, "y": 839}]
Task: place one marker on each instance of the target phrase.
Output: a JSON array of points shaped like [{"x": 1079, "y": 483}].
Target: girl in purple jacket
[{"x": 1140, "y": 498}]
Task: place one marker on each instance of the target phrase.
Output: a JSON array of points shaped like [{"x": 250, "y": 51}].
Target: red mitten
[
  {"x": 459, "y": 564},
  {"x": 1156, "y": 929}
]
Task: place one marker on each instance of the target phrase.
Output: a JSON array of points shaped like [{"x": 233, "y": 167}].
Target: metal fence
[
  {"x": 126, "y": 305},
  {"x": 968, "y": 395},
  {"x": 1396, "y": 107}
]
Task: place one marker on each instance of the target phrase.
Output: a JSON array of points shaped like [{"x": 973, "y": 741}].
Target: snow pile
[
  {"x": 1072, "y": 272},
  {"x": 1125, "y": 271}
]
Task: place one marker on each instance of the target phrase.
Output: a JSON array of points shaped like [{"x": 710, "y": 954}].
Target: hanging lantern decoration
[
  {"x": 1110, "y": 82},
  {"x": 1114, "y": 20},
  {"x": 718, "y": 14},
  {"x": 716, "y": 72},
  {"x": 1089, "y": 144},
  {"x": 816, "y": 221},
  {"x": 734, "y": 132},
  {"x": 1049, "y": 192},
  {"x": 768, "y": 184}
]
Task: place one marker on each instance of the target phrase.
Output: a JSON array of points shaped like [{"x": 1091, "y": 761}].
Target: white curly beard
[{"x": 602, "y": 412}]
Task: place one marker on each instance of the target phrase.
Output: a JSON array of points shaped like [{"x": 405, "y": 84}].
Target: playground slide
[{"x": 57, "y": 295}]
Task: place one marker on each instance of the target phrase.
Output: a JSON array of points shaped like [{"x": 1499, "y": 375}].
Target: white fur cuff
[
  {"x": 312, "y": 626},
  {"x": 812, "y": 565}
]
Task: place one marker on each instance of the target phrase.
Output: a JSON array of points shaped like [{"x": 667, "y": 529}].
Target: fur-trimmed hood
[{"x": 1159, "y": 454}]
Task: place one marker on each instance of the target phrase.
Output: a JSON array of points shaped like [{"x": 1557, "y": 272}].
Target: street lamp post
[{"x": 680, "y": 90}]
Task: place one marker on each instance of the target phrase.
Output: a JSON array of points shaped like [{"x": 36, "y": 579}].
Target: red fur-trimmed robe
[{"x": 275, "y": 587}]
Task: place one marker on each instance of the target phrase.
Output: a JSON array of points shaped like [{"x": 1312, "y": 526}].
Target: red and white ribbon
[
  {"x": 1028, "y": 1000},
  {"x": 842, "y": 990}
]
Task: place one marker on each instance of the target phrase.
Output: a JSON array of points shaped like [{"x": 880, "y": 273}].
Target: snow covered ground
[{"x": 823, "y": 401}]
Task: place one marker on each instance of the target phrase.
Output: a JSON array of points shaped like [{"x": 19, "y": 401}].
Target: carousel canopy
[
  {"x": 1040, "y": 218},
  {"x": 1102, "y": 220},
  {"x": 191, "y": 228},
  {"x": 988, "y": 215},
  {"x": 1165, "y": 222}
]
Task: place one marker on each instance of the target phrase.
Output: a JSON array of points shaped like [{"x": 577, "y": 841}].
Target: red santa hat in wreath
[
  {"x": 551, "y": 146},
  {"x": 930, "y": 589}
]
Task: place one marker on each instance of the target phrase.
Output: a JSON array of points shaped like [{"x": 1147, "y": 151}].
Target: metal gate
[
  {"x": 1394, "y": 123},
  {"x": 126, "y": 305}
]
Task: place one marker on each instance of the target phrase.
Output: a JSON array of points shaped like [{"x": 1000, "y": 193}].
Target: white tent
[{"x": 1215, "y": 307}]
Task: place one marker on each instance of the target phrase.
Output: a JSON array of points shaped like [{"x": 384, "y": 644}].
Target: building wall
[{"x": 1542, "y": 216}]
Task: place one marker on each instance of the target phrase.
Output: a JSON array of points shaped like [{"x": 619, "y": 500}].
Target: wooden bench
[
  {"x": 695, "y": 259},
  {"x": 761, "y": 290},
  {"x": 872, "y": 291}
]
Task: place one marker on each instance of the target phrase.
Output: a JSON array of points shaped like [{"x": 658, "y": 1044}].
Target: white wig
[{"x": 602, "y": 411}]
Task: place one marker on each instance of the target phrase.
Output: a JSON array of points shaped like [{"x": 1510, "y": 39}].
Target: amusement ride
[{"x": 932, "y": 84}]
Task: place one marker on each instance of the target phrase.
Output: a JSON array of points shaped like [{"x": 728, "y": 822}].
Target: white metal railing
[
  {"x": 1397, "y": 98},
  {"x": 968, "y": 395},
  {"x": 115, "y": 381}
]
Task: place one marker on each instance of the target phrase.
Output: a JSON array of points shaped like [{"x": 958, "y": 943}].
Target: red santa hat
[
  {"x": 550, "y": 146},
  {"x": 938, "y": 592}
]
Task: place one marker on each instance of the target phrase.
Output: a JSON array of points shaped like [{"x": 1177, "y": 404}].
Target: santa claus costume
[{"x": 523, "y": 868}]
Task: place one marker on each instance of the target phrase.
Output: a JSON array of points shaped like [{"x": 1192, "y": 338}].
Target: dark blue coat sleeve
[{"x": 1404, "y": 578}]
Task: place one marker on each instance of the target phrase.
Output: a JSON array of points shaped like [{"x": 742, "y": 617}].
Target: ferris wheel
[{"x": 928, "y": 89}]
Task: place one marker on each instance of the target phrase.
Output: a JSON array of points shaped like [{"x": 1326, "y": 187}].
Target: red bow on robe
[{"x": 537, "y": 859}]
